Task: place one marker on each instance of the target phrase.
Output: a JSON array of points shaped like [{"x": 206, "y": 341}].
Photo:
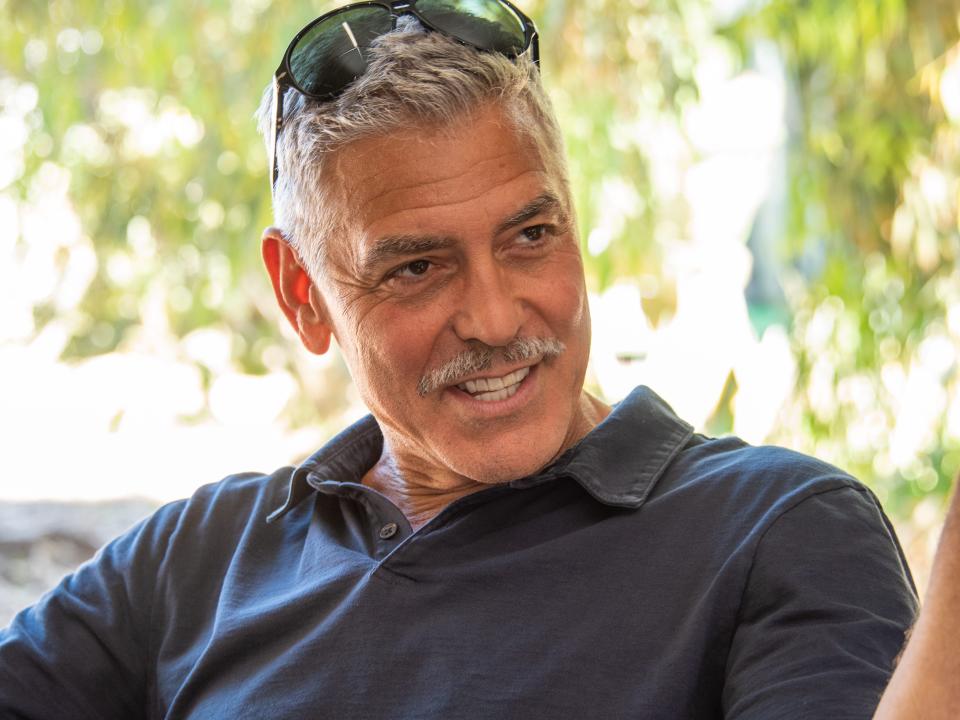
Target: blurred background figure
[{"x": 768, "y": 197}]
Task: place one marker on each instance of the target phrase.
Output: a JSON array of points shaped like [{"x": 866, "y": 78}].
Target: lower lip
[{"x": 495, "y": 408}]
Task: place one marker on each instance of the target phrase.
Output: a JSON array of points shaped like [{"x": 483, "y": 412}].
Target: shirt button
[{"x": 388, "y": 531}]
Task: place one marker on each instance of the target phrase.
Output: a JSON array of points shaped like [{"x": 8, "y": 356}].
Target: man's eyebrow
[
  {"x": 389, "y": 248},
  {"x": 547, "y": 202}
]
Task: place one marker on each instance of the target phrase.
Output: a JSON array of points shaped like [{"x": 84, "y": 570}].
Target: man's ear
[{"x": 292, "y": 287}]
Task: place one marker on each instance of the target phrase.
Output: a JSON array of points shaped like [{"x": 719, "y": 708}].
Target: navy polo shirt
[{"x": 648, "y": 573}]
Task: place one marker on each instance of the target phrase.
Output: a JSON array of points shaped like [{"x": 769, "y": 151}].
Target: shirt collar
[{"x": 618, "y": 462}]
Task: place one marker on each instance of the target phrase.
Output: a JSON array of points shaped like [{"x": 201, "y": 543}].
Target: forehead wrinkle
[
  {"x": 425, "y": 187},
  {"x": 460, "y": 201},
  {"x": 471, "y": 169}
]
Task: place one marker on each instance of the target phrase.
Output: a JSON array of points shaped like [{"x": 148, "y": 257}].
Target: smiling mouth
[{"x": 493, "y": 389}]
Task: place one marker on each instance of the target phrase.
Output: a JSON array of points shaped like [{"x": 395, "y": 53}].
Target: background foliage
[{"x": 133, "y": 190}]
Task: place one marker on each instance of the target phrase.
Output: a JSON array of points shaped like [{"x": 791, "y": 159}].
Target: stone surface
[{"x": 40, "y": 542}]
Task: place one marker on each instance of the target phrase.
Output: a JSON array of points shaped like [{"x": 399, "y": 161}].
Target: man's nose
[{"x": 490, "y": 309}]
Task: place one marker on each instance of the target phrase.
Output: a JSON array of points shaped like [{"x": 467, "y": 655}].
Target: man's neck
[
  {"x": 421, "y": 488},
  {"x": 419, "y": 495}
]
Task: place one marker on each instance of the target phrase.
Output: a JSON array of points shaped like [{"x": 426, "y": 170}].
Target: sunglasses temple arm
[{"x": 277, "y": 123}]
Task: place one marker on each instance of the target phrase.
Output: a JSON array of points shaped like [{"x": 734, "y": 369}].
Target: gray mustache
[{"x": 482, "y": 357}]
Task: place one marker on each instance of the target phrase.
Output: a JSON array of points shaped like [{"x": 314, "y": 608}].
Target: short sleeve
[
  {"x": 824, "y": 613},
  {"x": 81, "y": 651}
]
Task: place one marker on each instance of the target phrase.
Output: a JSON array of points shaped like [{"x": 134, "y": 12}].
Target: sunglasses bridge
[{"x": 283, "y": 78}]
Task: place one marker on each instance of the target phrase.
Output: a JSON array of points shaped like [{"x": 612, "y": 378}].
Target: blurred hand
[{"x": 926, "y": 682}]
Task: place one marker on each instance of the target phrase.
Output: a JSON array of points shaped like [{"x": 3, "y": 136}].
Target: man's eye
[
  {"x": 412, "y": 269},
  {"x": 535, "y": 232}
]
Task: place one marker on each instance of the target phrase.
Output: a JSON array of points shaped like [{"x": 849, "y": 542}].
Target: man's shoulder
[
  {"x": 217, "y": 511},
  {"x": 246, "y": 488},
  {"x": 196, "y": 540},
  {"x": 755, "y": 475},
  {"x": 732, "y": 453},
  {"x": 744, "y": 497},
  {"x": 236, "y": 499}
]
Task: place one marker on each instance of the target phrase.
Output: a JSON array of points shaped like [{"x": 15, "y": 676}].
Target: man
[{"x": 492, "y": 541}]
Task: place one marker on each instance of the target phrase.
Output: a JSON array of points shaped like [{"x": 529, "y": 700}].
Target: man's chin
[
  {"x": 492, "y": 455},
  {"x": 501, "y": 468}
]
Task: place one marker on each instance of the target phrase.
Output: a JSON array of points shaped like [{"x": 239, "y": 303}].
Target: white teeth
[
  {"x": 493, "y": 389},
  {"x": 498, "y": 394}
]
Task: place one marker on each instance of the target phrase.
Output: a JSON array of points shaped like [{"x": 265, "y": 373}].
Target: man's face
[{"x": 460, "y": 241}]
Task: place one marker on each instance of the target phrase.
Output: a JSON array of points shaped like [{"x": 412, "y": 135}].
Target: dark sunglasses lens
[
  {"x": 486, "y": 24},
  {"x": 333, "y": 53}
]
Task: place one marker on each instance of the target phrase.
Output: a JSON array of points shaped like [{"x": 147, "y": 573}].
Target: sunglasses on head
[{"x": 332, "y": 51}]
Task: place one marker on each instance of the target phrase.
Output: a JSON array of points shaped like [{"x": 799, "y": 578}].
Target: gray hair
[{"x": 414, "y": 78}]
